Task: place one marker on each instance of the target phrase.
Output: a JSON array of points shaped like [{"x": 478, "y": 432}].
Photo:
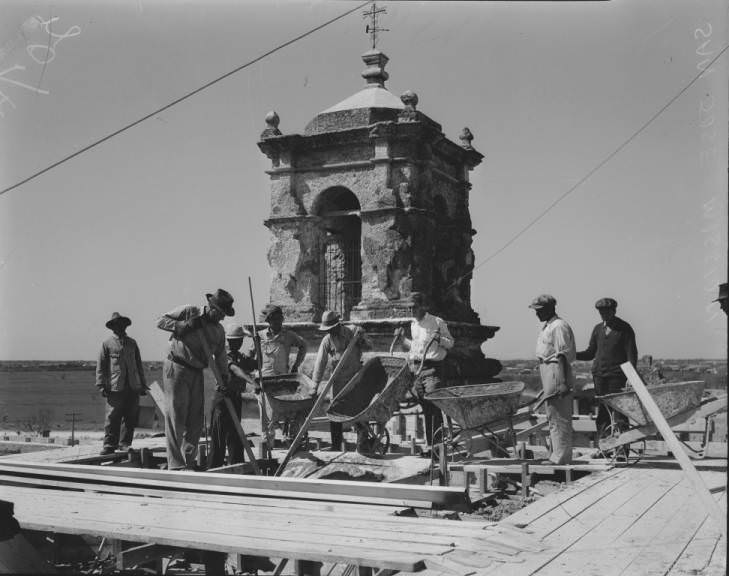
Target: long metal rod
[{"x": 263, "y": 401}]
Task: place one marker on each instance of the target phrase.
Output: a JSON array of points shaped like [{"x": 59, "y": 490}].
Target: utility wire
[
  {"x": 582, "y": 180},
  {"x": 185, "y": 97}
]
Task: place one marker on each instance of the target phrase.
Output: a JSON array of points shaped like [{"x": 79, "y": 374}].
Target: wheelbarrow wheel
[{"x": 627, "y": 454}]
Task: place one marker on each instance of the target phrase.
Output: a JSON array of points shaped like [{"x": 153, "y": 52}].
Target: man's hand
[
  {"x": 399, "y": 332},
  {"x": 104, "y": 393}
]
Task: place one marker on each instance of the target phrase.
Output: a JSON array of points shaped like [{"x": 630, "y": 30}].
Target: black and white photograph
[{"x": 364, "y": 287}]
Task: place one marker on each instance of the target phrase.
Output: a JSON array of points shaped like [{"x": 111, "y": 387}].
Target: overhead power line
[
  {"x": 587, "y": 176},
  {"x": 182, "y": 98}
]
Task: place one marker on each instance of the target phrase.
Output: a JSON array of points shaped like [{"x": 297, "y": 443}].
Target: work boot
[{"x": 107, "y": 450}]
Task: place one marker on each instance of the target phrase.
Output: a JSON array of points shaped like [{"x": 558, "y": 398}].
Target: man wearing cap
[
  {"x": 429, "y": 343},
  {"x": 612, "y": 343},
  {"x": 120, "y": 379},
  {"x": 332, "y": 346},
  {"x": 275, "y": 344},
  {"x": 556, "y": 352},
  {"x": 723, "y": 296},
  {"x": 183, "y": 372},
  {"x": 223, "y": 433}
]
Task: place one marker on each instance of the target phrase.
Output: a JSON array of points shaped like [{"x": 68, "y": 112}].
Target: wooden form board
[
  {"x": 315, "y": 489},
  {"x": 395, "y": 543}
]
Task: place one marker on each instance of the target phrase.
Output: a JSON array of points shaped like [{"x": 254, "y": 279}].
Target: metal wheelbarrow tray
[
  {"x": 372, "y": 395},
  {"x": 287, "y": 395},
  {"x": 673, "y": 398},
  {"x": 473, "y": 408}
]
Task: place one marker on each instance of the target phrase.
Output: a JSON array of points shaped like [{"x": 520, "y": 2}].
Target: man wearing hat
[
  {"x": 429, "y": 343},
  {"x": 223, "y": 432},
  {"x": 723, "y": 296},
  {"x": 183, "y": 372},
  {"x": 120, "y": 379},
  {"x": 275, "y": 344},
  {"x": 612, "y": 343},
  {"x": 332, "y": 346},
  {"x": 556, "y": 352}
]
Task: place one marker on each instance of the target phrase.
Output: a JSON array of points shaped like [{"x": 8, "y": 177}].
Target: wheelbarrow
[
  {"x": 623, "y": 438},
  {"x": 288, "y": 402},
  {"x": 369, "y": 399}
]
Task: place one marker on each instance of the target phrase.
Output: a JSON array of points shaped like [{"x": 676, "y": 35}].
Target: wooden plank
[
  {"x": 526, "y": 516},
  {"x": 384, "y": 533},
  {"x": 452, "y": 498},
  {"x": 138, "y": 523},
  {"x": 663, "y": 427}
]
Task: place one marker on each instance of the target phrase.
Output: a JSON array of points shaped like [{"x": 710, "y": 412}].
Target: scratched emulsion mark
[
  {"x": 41, "y": 48},
  {"x": 713, "y": 206}
]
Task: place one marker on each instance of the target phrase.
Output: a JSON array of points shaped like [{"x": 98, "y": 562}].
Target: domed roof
[{"x": 374, "y": 103}]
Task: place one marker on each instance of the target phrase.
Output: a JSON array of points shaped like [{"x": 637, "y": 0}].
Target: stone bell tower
[{"x": 368, "y": 205}]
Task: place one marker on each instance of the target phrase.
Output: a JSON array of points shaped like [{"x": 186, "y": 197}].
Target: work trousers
[
  {"x": 184, "y": 413},
  {"x": 122, "y": 413},
  {"x": 337, "y": 434},
  {"x": 559, "y": 418},
  {"x": 607, "y": 385},
  {"x": 223, "y": 433},
  {"x": 430, "y": 379}
]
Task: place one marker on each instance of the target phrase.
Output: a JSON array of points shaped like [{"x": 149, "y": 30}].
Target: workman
[
  {"x": 223, "y": 432},
  {"x": 191, "y": 326},
  {"x": 429, "y": 343},
  {"x": 333, "y": 345},
  {"x": 275, "y": 344},
  {"x": 120, "y": 379},
  {"x": 556, "y": 352},
  {"x": 612, "y": 343}
]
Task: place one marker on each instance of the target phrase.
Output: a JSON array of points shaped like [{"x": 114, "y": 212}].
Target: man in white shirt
[
  {"x": 556, "y": 352},
  {"x": 429, "y": 343}
]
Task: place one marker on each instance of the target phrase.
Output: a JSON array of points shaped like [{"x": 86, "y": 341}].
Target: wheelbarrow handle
[{"x": 422, "y": 359}]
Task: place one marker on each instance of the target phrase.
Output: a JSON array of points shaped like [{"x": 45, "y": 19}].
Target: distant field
[{"x": 39, "y": 395}]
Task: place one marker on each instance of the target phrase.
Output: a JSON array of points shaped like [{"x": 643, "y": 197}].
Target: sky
[{"x": 555, "y": 94}]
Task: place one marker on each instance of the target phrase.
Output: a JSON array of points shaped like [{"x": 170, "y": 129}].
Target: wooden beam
[
  {"x": 668, "y": 436},
  {"x": 399, "y": 495}
]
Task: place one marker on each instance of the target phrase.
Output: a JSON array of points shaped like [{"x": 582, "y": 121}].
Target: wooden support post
[
  {"x": 202, "y": 455},
  {"x": 568, "y": 475},
  {"x": 116, "y": 550},
  {"x": 413, "y": 447},
  {"x": 467, "y": 480},
  {"x": 482, "y": 478},
  {"x": 364, "y": 571},
  {"x": 443, "y": 464},
  {"x": 525, "y": 480},
  {"x": 146, "y": 457},
  {"x": 710, "y": 505}
]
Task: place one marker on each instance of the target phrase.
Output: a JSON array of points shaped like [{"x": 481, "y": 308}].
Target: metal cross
[{"x": 372, "y": 29}]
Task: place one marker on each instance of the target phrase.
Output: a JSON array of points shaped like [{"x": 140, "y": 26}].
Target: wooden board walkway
[{"x": 625, "y": 521}]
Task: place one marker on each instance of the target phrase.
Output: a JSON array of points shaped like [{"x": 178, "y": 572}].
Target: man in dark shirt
[
  {"x": 612, "y": 343},
  {"x": 120, "y": 379},
  {"x": 223, "y": 431}
]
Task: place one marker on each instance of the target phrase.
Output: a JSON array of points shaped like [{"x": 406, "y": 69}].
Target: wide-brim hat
[
  {"x": 606, "y": 303},
  {"x": 269, "y": 310},
  {"x": 329, "y": 320},
  {"x": 117, "y": 318},
  {"x": 236, "y": 332},
  {"x": 542, "y": 301},
  {"x": 222, "y": 300},
  {"x": 723, "y": 292}
]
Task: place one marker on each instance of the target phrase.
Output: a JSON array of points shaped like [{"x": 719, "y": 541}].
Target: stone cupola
[{"x": 368, "y": 205}]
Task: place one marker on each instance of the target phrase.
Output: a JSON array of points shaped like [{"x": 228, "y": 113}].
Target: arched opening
[{"x": 340, "y": 276}]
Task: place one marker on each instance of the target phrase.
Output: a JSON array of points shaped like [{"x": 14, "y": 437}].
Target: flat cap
[
  {"x": 606, "y": 303},
  {"x": 543, "y": 300}
]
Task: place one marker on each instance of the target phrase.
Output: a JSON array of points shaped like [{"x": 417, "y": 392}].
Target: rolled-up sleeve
[
  {"x": 170, "y": 320},
  {"x": 564, "y": 341}
]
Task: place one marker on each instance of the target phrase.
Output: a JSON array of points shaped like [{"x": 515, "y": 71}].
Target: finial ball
[
  {"x": 272, "y": 119},
  {"x": 409, "y": 98}
]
